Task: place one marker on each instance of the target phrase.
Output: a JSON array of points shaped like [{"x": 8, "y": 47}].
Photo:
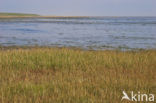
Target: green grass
[
  {"x": 16, "y": 14},
  {"x": 63, "y": 75}
]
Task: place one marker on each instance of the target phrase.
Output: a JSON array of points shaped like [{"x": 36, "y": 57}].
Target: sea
[{"x": 97, "y": 33}]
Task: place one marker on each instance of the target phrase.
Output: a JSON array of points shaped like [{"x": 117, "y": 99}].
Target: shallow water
[{"x": 91, "y": 32}]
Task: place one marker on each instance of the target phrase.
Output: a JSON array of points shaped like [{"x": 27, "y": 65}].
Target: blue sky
[{"x": 81, "y": 7}]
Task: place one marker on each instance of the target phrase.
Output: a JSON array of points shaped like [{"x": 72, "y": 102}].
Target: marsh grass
[
  {"x": 63, "y": 75},
  {"x": 4, "y": 15}
]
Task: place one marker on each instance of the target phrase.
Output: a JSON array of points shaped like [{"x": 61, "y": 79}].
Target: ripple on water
[{"x": 92, "y": 32}]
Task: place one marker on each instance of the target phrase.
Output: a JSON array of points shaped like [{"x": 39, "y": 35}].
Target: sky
[{"x": 81, "y": 7}]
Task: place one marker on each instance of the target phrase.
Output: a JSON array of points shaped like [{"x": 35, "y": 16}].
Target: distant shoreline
[
  {"x": 25, "y": 15},
  {"x": 44, "y": 16}
]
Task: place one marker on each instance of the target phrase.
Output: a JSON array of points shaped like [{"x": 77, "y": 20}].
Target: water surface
[{"x": 87, "y": 32}]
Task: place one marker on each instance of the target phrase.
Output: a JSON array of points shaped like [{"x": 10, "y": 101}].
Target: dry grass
[{"x": 51, "y": 75}]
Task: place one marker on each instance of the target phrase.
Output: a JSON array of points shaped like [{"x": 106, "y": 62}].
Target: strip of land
[
  {"x": 23, "y": 15},
  {"x": 4, "y": 15},
  {"x": 13, "y": 15},
  {"x": 63, "y": 75}
]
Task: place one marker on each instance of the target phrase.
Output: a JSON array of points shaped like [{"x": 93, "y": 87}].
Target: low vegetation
[
  {"x": 63, "y": 75},
  {"x": 16, "y": 15}
]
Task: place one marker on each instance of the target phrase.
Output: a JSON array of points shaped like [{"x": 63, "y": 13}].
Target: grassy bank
[
  {"x": 12, "y": 15},
  {"x": 44, "y": 75},
  {"x": 24, "y": 15}
]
